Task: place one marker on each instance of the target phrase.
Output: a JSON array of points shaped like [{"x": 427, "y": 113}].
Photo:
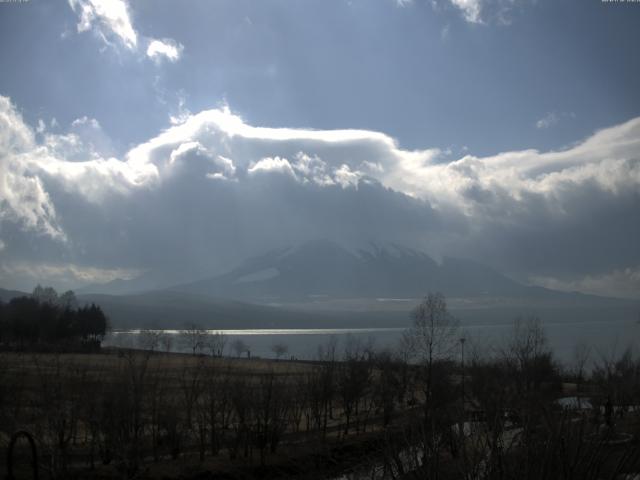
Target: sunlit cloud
[
  {"x": 111, "y": 21},
  {"x": 108, "y": 18},
  {"x": 470, "y": 9},
  {"x": 213, "y": 181},
  {"x": 481, "y": 12},
  {"x": 166, "y": 49}
]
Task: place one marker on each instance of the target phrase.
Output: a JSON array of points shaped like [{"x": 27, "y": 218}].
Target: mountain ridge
[
  {"x": 323, "y": 284},
  {"x": 324, "y": 268}
]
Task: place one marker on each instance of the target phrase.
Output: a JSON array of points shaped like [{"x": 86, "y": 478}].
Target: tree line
[{"x": 47, "y": 319}]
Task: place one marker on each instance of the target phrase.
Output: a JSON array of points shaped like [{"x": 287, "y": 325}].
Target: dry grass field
[
  {"x": 180, "y": 412},
  {"x": 139, "y": 414}
]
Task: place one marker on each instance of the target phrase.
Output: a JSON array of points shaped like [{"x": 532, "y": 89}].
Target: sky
[{"x": 171, "y": 140}]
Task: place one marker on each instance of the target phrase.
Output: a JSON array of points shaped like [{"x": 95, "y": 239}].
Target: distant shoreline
[{"x": 265, "y": 331}]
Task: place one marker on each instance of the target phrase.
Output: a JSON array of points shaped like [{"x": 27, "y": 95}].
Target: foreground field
[
  {"x": 362, "y": 414},
  {"x": 127, "y": 413}
]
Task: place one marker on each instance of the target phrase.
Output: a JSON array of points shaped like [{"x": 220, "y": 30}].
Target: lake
[{"x": 605, "y": 337}]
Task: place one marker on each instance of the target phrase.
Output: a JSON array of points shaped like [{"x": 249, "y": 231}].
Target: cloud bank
[{"x": 212, "y": 189}]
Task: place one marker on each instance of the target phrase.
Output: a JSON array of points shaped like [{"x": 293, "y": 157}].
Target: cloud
[
  {"x": 445, "y": 32},
  {"x": 69, "y": 275},
  {"x": 85, "y": 140},
  {"x": 277, "y": 164},
  {"x": 345, "y": 177},
  {"x": 482, "y": 12},
  {"x": 470, "y": 9},
  {"x": 310, "y": 170},
  {"x": 111, "y": 21},
  {"x": 624, "y": 283},
  {"x": 108, "y": 18},
  {"x": 23, "y": 198},
  {"x": 165, "y": 49},
  {"x": 212, "y": 189},
  {"x": 552, "y": 118},
  {"x": 548, "y": 120}
]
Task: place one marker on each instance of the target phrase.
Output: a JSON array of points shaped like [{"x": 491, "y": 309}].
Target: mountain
[
  {"x": 120, "y": 287},
  {"x": 6, "y": 295},
  {"x": 322, "y": 269},
  {"x": 322, "y": 284},
  {"x": 172, "y": 309}
]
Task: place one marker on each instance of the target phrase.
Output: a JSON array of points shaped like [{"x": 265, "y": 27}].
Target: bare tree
[
  {"x": 323, "y": 391},
  {"x": 149, "y": 339},
  {"x": 432, "y": 339},
  {"x": 45, "y": 295},
  {"x": 68, "y": 300},
  {"x": 386, "y": 385},
  {"x": 192, "y": 387},
  {"x": 619, "y": 378},
  {"x": 433, "y": 335},
  {"x": 279, "y": 349},
  {"x": 353, "y": 381},
  {"x": 239, "y": 347},
  {"x": 327, "y": 353},
  {"x": 194, "y": 336},
  {"x": 241, "y": 399},
  {"x": 270, "y": 408},
  {"x": 166, "y": 341},
  {"x": 299, "y": 402},
  {"x": 216, "y": 343},
  {"x": 529, "y": 354},
  {"x": 59, "y": 385},
  {"x": 581, "y": 356},
  {"x": 216, "y": 405}
]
